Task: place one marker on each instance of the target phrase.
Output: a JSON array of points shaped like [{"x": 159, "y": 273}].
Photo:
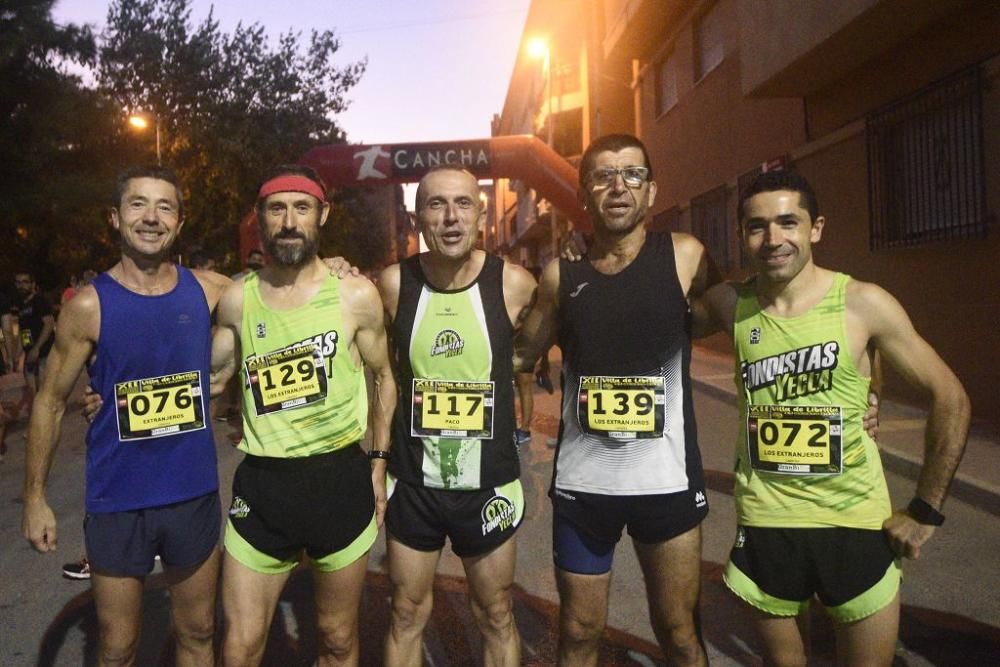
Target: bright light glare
[
  {"x": 138, "y": 121},
  {"x": 538, "y": 47}
]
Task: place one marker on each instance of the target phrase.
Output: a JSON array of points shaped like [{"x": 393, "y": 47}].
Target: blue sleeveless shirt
[{"x": 151, "y": 443}]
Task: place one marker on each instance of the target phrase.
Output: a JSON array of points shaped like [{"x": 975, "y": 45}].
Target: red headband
[{"x": 291, "y": 183}]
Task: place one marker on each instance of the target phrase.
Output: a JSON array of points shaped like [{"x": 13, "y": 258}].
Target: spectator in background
[
  {"x": 70, "y": 290},
  {"x": 255, "y": 262},
  {"x": 76, "y": 284},
  {"x": 202, "y": 260},
  {"x": 9, "y": 349},
  {"x": 37, "y": 326}
]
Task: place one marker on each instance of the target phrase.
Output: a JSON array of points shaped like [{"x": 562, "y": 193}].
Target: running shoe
[
  {"x": 523, "y": 437},
  {"x": 78, "y": 570}
]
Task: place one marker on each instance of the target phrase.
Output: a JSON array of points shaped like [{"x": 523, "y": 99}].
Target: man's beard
[{"x": 292, "y": 255}]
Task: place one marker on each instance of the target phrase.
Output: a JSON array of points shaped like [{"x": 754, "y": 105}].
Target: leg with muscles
[
  {"x": 870, "y": 641},
  {"x": 583, "y": 613},
  {"x": 119, "y": 616},
  {"x": 192, "y": 603},
  {"x": 491, "y": 577},
  {"x": 672, "y": 571},
  {"x": 786, "y": 638},
  {"x": 412, "y": 575},
  {"x": 248, "y": 602},
  {"x": 338, "y": 596}
]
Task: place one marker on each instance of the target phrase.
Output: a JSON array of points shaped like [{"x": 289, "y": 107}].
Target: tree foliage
[
  {"x": 54, "y": 135},
  {"x": 229, "y": 105}
]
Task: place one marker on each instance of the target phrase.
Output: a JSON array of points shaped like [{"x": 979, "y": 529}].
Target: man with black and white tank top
[
  {"x": 453, "y": 465},
  {"x": 627, "y": 455}
]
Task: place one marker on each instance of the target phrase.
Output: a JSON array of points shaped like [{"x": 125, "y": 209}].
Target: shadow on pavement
[{"x": 926, "y": 636}]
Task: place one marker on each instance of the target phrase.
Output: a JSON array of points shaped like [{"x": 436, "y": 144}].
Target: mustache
[{"x": 289, "y": 234}]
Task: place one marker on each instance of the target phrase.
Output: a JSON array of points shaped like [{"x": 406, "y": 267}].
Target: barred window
[
  {"x": 926, "y": 179},
  {"x": 709, "y": 37},
  {"x": 666, "y": 84},
  {"x": 709, "y": 224}
]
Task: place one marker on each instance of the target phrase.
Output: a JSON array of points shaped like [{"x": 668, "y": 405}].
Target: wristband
[
  {"x": 377, "y": 454},
  {"x": 922, "y": 512}
]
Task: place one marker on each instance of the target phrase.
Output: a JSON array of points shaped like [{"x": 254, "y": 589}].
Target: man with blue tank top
[
  {"x": 813, "y": 509},
  {"x": 627, "y": 455},
  {"x": 454, "y": 470},
  {"x": 142, "y": 330},
  {"x": 299, "y": 340}
]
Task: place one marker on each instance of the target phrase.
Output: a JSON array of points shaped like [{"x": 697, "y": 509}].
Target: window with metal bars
[
  {"x": 710, "y": 226},
  {"x": 926, "y": 179}
]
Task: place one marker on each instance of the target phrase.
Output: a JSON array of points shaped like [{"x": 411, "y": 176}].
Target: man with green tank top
[
  {"x": 299, "y": 340},
  {"x": 813, "y": 508}
]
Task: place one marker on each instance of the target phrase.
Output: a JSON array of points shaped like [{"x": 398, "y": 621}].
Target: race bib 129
[{"x": 286, "y": 379}]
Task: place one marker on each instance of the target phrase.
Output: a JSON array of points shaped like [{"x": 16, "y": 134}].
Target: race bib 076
[
  {"x": 623, "y": 408},
  {"x": 452, "y": 409},
  {"x": 795, "y": 439},
  {"x": 286, "y": 379},
  {"x": 155, "y": 407}
]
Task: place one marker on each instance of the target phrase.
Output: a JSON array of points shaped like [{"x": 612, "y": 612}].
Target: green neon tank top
[
  {"x": 303, "y": 394},
  {"x": 803, "y": 459}
]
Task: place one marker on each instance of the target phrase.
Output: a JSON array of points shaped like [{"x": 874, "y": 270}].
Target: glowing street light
[
  {"x": 140, "y": 121},
  {"x": 538, "y": 47}
]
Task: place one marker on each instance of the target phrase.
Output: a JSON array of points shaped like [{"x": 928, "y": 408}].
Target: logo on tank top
[
  {"x": 579, "y": 288},
  {"x": 239, "y": 509},
  {"x": 261, "y": 330},
  {"x": 755, "y": 336},
  {"x": 447, "y": 343},
  {"x": 498, "y": 514},
  {"x": 801, "y": 372}
]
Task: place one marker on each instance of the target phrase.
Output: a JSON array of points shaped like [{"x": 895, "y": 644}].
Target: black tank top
[
  {"x": 458, "y": 346},
  {"x": 615, "y": 330}
]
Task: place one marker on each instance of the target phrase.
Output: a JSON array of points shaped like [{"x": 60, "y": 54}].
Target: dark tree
[
  {"x": 55, "y": 136},
  {"x": 229, "y": 105}
]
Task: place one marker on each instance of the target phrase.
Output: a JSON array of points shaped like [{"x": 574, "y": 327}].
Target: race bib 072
[
  {"x": 795, "y": 439},
  {"x": 159, "y": 406}
]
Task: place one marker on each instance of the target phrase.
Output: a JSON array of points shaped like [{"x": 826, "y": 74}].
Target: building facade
[{"x": 890, "y": 109}]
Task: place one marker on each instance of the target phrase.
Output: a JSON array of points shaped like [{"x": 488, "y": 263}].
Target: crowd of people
[{"x": 449, "y": 336}]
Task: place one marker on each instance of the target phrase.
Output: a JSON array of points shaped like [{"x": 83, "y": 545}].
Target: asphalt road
[{"x": 951, "y": 608}]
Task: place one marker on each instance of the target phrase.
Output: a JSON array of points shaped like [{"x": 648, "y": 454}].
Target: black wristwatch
[
  {"x": 922, "y": 512},
  {"x": 378, "y": 454}
]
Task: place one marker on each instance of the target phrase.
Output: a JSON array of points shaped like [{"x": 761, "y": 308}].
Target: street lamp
[
  {"x": 140, "y": 121},
  {"x": 539, "y": 48}
]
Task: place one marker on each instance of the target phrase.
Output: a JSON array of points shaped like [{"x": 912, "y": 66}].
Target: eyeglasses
[{"x": 634, "y": 177}]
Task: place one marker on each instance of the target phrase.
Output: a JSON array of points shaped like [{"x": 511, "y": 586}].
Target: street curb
[{"x": 974, "y": 492}]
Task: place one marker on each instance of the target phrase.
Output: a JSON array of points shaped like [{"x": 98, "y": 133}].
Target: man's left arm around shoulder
[
  {"x": 226, "y": 337},
  {"x": 361, "y": 297},
  {"x": 697, "y": 273},
  {"x": 536, "y": 322},
  {"x": 893, "y": 335}
]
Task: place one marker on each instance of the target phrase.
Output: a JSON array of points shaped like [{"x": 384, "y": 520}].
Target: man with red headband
[
  {"x": 142, "y": 330},
  {"x": 305, "y": 491}
]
